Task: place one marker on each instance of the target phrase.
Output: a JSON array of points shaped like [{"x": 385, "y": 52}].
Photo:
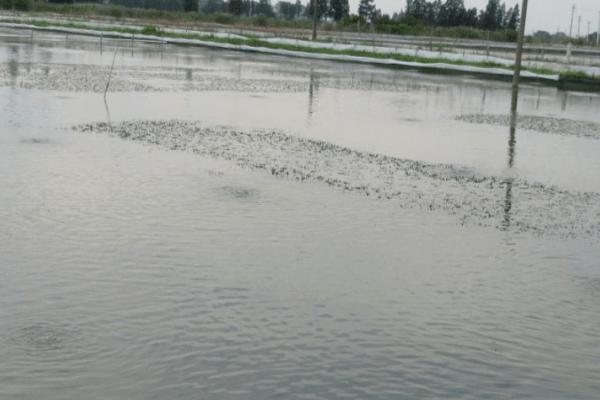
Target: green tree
[
  {"x": 470, "y": 17},
  {"x": 265, "y": 8},
  {"x": 366, "y": 10},
  {"x": 214, "y": 6},
  {"x": 501, "y": 16},
  {"x": 299, "y": 9},
  {"x": 248, "y": 7},
  {"x": 286, "y": 10},
  {"x": 339, "y": 9},
  {"x": 190, "y": 5},
  {"x": 432, "y": 12},
  {"x": 415, "y": 8},
  {"x": 236, "y": 7},
  {"x": 489, "y": 16},
  {"x": 452, "y": 13},
  {"x": 322, "y": 9},
  {"x": 513, "y": 18}
]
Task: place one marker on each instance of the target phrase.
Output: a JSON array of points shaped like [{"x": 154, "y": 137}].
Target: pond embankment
[{"x": 425, "y": 61}]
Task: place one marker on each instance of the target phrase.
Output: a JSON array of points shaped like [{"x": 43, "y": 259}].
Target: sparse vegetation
[
  {"x": 151, "y": 30},
  {"x": 579, "y": 75}
]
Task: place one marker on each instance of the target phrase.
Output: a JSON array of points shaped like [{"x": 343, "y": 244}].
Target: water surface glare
[{"x": 179, "y": 254}]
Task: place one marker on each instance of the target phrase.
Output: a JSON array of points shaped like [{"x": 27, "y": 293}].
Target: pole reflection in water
[
  {"x": 313, "y": 88},
  {"x": 13, "y": 71},
  {"x": 514, "y": 115},
  {"x": 483, "y": 98},
  {"x": 508, "y": 198},
  {"x": 564, "y": 100},
  {"x": 106, "y": 108},
  {"x": 189, "y": 80}
]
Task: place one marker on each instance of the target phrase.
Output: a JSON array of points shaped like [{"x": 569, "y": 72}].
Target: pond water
[{"x": 236, "y": 226}]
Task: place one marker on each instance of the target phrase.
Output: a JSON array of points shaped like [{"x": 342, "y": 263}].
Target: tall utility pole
[
  {"x": 572, "y": 16},
  {"x": 315, "y": 4},
  {"x": 513, "y": 114},
  {"x": 579, "y": 28},
  {"x": 587, "y": 39},
  {"x": 517, "y": 73},
  {"x": 598, "y": 33}
]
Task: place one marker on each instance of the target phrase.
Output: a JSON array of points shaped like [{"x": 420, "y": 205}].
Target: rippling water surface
[{"x": 137, "y": 264}]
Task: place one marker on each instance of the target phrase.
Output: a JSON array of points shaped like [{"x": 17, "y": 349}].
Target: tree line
[{"x": 496, "y": 16}]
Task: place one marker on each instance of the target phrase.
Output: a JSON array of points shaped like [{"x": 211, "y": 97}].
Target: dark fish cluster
[
  {"x": 559, "y": 126},
  {"x": 66, "y": 78},
  {"x": 44, "y": 337},
  {"x": 93, "y": 78},
  {"x": 506, "y": 203}
]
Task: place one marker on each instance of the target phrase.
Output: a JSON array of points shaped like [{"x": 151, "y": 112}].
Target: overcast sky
[{"x": 548, "y": 15}]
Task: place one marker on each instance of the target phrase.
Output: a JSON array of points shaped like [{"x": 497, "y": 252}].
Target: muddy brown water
[{"x": 235, "y": 226}]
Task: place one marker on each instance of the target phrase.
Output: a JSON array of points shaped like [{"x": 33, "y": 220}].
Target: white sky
[{"x": 548, "y": 15}]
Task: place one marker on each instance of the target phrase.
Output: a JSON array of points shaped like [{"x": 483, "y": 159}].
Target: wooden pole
[
  {"x": 598, "y": 32},
  {"x": 517, "y": 73},
  {"x": 315, "y": 4},
  {"x": 110, "y": 73},
  {"x": 513, "y": 116}
]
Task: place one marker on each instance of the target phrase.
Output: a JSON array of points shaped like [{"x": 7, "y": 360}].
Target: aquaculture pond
[{"x": 227, "y": 225}]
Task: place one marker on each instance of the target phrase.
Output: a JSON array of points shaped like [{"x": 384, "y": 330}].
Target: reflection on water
[
  {"x": 512, "y": 141},
  {"x": 13, "y": 69},
  {"x": 483, "y": 96},
  {"x": 564, "y": 100},
  {"x": 108, "y": 119},
  {"x": 313, "y": 88}
]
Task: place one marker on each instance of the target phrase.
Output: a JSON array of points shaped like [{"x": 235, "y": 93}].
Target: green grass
[
  {"x": 256, "y": 42},
  {"x": 151, "y": 30},
  {"x": 541, "y": 70},
  {"x": 579, "y": 75}
]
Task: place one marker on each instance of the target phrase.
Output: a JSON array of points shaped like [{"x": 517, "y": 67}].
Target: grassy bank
[{"x": 259, "y": 43}]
